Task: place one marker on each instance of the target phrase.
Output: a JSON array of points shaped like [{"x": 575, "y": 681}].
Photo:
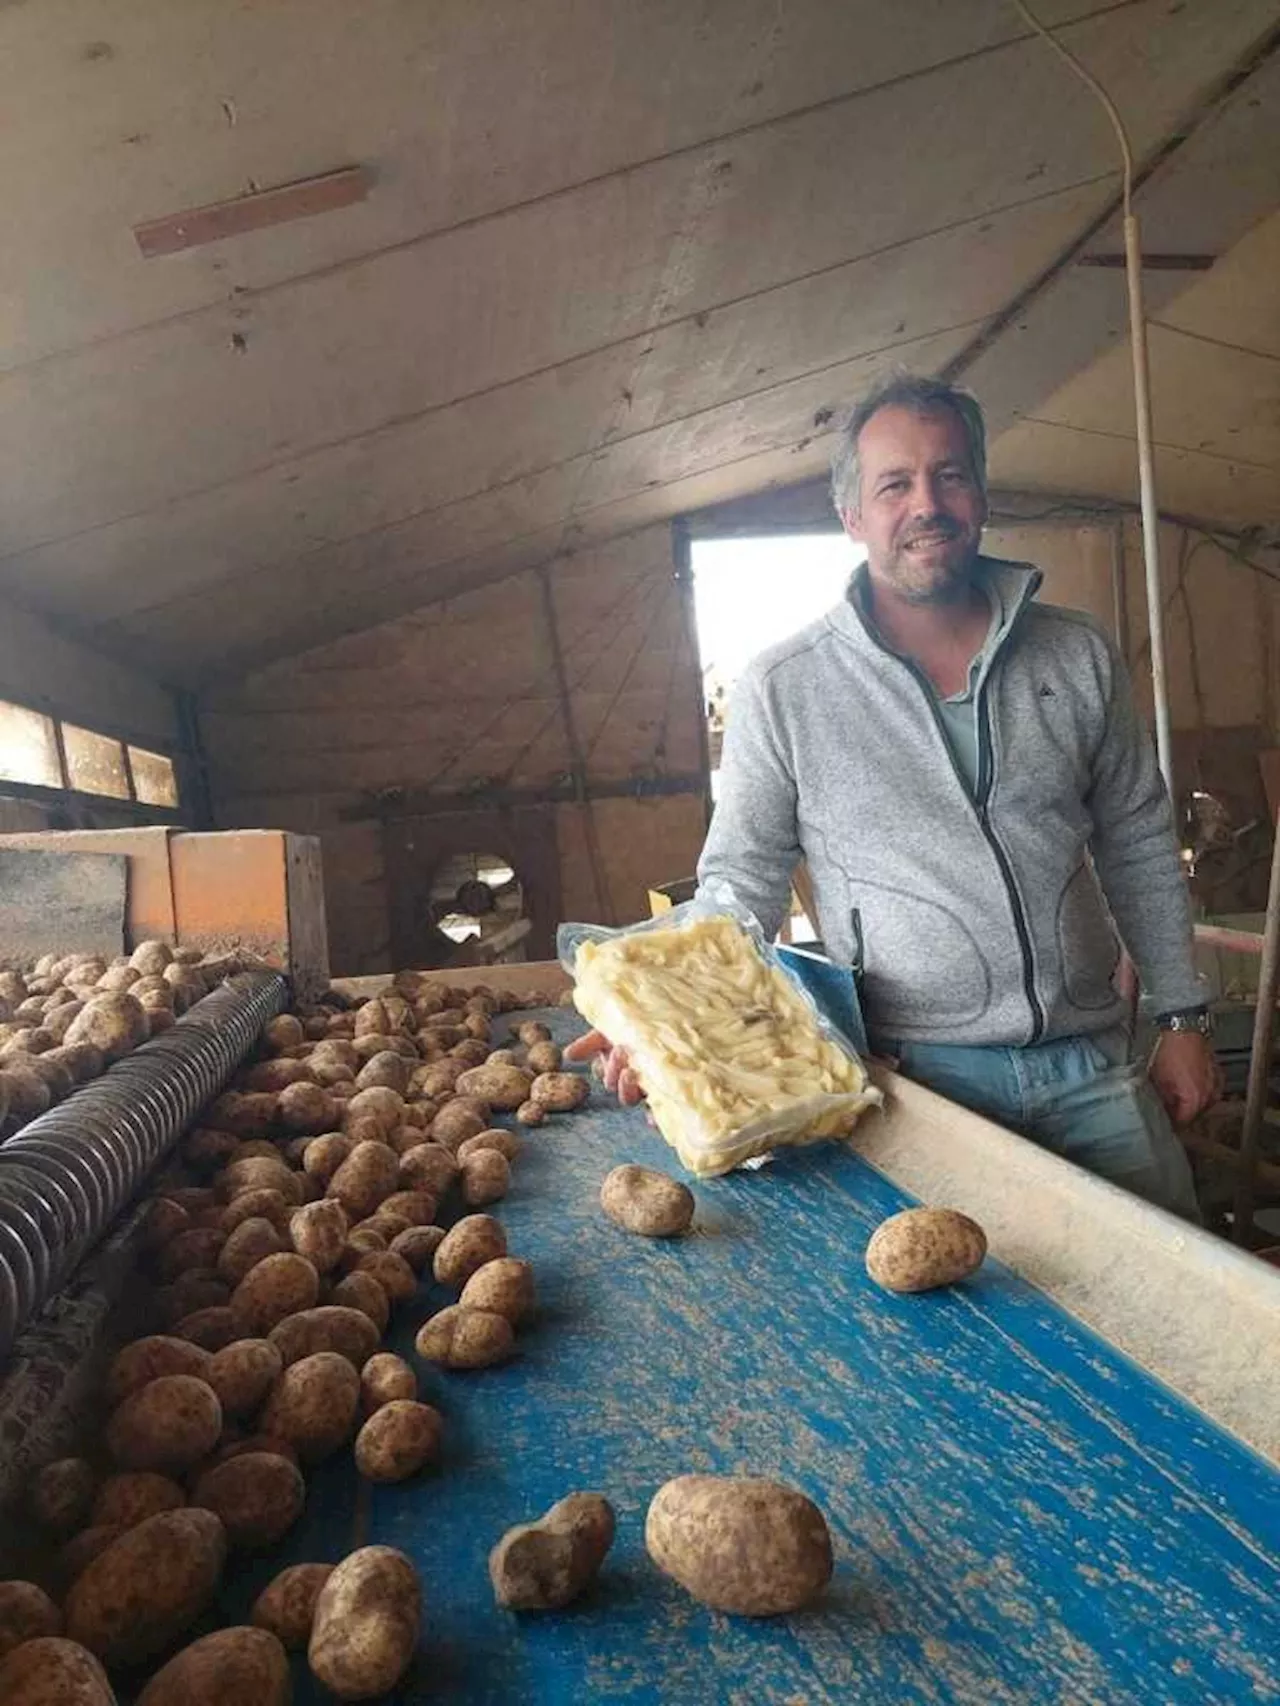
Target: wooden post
[{"x": 1255, "y": 1104}]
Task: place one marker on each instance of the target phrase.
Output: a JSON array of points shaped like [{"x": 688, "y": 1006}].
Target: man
[{"x": 963, "y": 771}]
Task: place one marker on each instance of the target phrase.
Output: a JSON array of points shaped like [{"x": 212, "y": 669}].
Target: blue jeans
[{"x": 1082, "y": 1097}]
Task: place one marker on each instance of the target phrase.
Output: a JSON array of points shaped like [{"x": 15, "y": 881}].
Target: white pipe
[{"x": 1142, "y": 400}]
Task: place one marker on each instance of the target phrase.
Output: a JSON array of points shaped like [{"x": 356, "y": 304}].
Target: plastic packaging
[{"x": 734, "y": 1056}]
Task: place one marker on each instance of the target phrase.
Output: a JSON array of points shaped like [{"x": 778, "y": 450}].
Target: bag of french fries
[{"x": 734, "y": 1056}]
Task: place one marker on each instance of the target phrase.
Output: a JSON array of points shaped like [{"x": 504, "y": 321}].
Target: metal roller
[{"x": 66, "y": 1176}]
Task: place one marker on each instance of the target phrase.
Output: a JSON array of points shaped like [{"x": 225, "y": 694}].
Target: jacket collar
[{"x": 1016, "y": 584}]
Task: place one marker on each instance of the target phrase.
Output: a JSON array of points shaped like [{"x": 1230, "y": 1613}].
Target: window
[
  {"x": 154, "y": 781},
  {"x": 28, "y": 747},
  {"x": 95, "y": 763}
]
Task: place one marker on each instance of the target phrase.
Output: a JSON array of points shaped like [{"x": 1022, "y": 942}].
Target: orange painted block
[{"x": 149, "y": 901}]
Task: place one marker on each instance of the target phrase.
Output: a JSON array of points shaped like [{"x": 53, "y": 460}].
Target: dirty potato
[
  {"x": 325, "y": 1154},
  {"x": 418, "y": 1245},
  {"x": 468, "y": 1245},
  {"x": 643, "y": 1200},
  {"x": 465, "y": 1338},
  {"x": 318, "y": 1231},
  {"x": 279, "y": 1285},
  {"x": 166, "y": 1426},
  {"x": 125, "y": 1500},
  {"x": 366, "y": 1624},
  {"x": 559, "y": 1092},
  {"x": 50, "y": 1671},
  {"x": 252, "y": 1241},
  {"x": 543, "y": 1565},
  {"x": 506, "y": 1143},
  {"x": 62, "y": 1494},
  {"x": 922, "y": 1248},
  {"x": 428, "y": 1167},
  {"x": 232, "y": 1667},
  {"x": 257, "y": 1496},
  {"x": 330, "y": 1327},
  {"x": 362, "y": 1292},
  {"x": 210, "y": 1328},
  {"x": 383, "y": 1378},
  {"x": 370, "y": 1173},
  {"x": 740, "y": 1543},
  {"x": 392, "y": 1273},
  {"x": 242, "y": 1374},
  {"x": 504, "y": 1286},
  {"x": 531, "y": 1114},
  {"x": 145, "y": 1360},
  {"x": 287, "y": 1605},
  {"x": 307, "y": 1109},
  {"x": 503, "y": 1087},
  {"x": 485, "y": 1177},
  {"x": 399, "y": 1438},
  {"x": 313, "y": 1405},
  {"x": 26, "y": 1611},
  {"x": 137, "y": 1597}
]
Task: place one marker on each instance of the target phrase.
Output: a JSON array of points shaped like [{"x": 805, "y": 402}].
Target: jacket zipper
[{"x": 981, "y": 808}]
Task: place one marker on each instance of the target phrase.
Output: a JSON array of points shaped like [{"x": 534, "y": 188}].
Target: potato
[
  {"x": 532, "y": 1032},
  {"x": 387, "y": 1222},
  {"x": 366, "y": 1624},
  {"x": 504, "y": 1286},
  {"x": 255, "y": 1442},
  {"x": 198, "y": 1288},
  {"x": 136, "y": 1598},
  {"x": 506, "y": 1143},
  {"x": 325, "y": 1154},
  {"x": 283, "y": 1032},
  {"x": 387, "y": 1070},
  {"x": 49, "y": 1671},
  {"x": 25, "y": 1094},
  {"x": 465, "y": 1338},
  {"x": 252, "y": 1242},
  {"x": 362, "y": 1292},
  {"x": 313, "y": 1405},
  {"x": 370, "y": 1173},
  {"x": 259, "y": 1173},
  {"x": 199, "y": 1247},
  {"x": 81, "y": 1060},
  {"x": 146, "y": 1360},
  {"x": 408, "y": 1136},
  {"x": 26, "y": 1611},
  {"x": 543, "y": 1565},
  {"x": 319, "y": 1232},
  {"x": 531, "y": 1114},
  {"x": 330, "y": 1327},
  {"x": 392, "y": 1273},
  {"x": 383, "y": 1378},
  {"x": 456, "y": 1122},
  {"x": 643, "y": 1200},
  {"x": 378, "y": 1102},
  {"x": 360, "y": 1241},
  {"x": 257, "y": 1495},
  {"x": 261, "y": 1204},
  {"x": 418, "y": 1208},
  {"x": 275, "y": 1076},
  {"x": 500, "y": 1086},
  {"x": 62, "y": 1494},
  {"x": 287, "y": 1605},
  {"x": 116, "y": 1023},
  {"x": 278, "y": 1286},
  {"x": 559, "y": 1092},
  {"x": 83, "y": 1548},
  {"x": 485, "y": 1178},
  {"x": 207, "y": 1151},
  {"x": 437, "y": 1078},
  {"x": 739, "y": 1543},
  {"x": 401, "y": 1437},
  {"x": 503, "y": 1057},
  {"x": 543, "y": 1057},
  {"x": 167, "y": 1426},
  {"x": 922, "y": 1248},
  {"x": 242, "y": 1374},
  {"x": 125, "y": 1500},
  {"x": 468, "y": 1245},
  {"x": 418, "y": 1245},
  {"x": 307, "y": 1109},
  {"x": 212, "y": 1328},
  {"x": 232, "y": 1667},
  {"x": 427, "y": 1167},
  {"x": 244, "y": 1113}
]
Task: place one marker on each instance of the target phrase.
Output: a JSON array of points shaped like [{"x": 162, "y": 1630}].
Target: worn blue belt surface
[{"x": 1019, "y": 1514}]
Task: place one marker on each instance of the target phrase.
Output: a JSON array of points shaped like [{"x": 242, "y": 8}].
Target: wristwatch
[{"x": 1187, "y": 1019}]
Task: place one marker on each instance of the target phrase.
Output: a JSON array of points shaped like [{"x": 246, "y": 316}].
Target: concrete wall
[{"x": 424, "y": 717}]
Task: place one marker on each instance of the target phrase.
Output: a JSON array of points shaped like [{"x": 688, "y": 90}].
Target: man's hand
[
  {"x": 618, "y": 1075},
  {"x": 1185, "y": 1073}
]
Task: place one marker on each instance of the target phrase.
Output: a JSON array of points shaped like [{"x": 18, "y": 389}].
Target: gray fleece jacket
[{"x": 973, "y": 919}]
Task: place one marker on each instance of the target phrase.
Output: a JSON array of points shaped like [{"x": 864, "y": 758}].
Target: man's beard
[{"x": 935, "y": 578}]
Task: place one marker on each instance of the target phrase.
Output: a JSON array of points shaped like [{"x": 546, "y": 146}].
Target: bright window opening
[
  {"x": 28, "y": 747},
  {"x": 95, "y": 763},
  {"x": 154, "y": 781}
]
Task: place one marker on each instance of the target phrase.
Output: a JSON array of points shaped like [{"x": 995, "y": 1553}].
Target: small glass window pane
[
  {"x": 95, "y": 763},
  {"x": 153, "y": 779},
  {"x": 28, "y": 747}
]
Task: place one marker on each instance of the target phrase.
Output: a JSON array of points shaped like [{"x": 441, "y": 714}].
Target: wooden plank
[
  {"x": 61, "y": 903},
  {"x": 306, "y": 197},
  {"x": 150, "y": 894}
]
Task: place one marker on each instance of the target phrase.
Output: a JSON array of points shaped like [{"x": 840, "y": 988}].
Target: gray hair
[{"x": 922, "y": 396}]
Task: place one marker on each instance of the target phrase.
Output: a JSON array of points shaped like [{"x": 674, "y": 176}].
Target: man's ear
[{"x": 851, "y": 520}]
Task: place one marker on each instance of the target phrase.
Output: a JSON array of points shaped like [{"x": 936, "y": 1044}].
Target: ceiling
[{"x": 622, "y": 259}]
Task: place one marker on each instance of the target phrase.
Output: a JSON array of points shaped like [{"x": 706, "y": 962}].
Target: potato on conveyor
[
  {"x": 257, "y": 1496},
  {"x": 287, "y": 1605},
  {"x": 243, "y": 1373},
  {"x": 251, "y": 1242},
  {"x": 318, "y": 1231},
  {"x": 83, "y": 1548},
  {"x": 465, "y": 1338},
  {"x": 739, "y": 1543},
  {"x": 127, "y": 1499},
  {"x": 313, "y": 1405},
  {"x": 559, "y": 1092},
  {"x": 50, "y": 1671},
  {"x": 232, "y": 1667},
  {"x": 643, "y": 1200},
  {"x": 418, "y": 1245},
  {"x": 922, "y": 1248},
  {"x": 485, "y": 1178},
  {"x": 501, "y": 1086},
  {"x": 25, "y": 1612},
  {"x": 543, "y": 1565},
  {"x": 468, "y": 1245},
  {"x": 167, "y": 1425},
  {"x": 279, "y": 1285},
  {"x": 399, "y": 1438},
  {"x": 392, "y": 1273},
  {"x": 63, "y": 1493},
  {"x": 383, "y": 1378},
  {"x": 362, "y": 1292},
  {"x": 504, "y": 1286},
  {"x": 136, "y": 1598},
  {"x": 366, "y": 1624},
  {"x": 370, "y": 1173},
  {"x": 328, "y": 1327}
]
